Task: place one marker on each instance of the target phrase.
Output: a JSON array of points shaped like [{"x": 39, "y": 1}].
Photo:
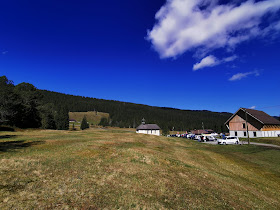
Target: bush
[{"x": 104, "y": 122}]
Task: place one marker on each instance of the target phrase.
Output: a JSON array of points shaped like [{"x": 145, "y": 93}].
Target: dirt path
[{"x": 245, "y": 142}]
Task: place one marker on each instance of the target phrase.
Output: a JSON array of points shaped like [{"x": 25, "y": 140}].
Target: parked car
[
  {"x": 210, "y": 138},
  {"x": 202, "y": 138},
  {"x": 214, "y": 134},
  {"x": 197, "y": 137},
  {"x": 229, "y": 140}
]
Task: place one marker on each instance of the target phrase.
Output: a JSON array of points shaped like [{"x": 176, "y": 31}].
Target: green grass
[
  {"x": 113, "y": 169},
  {"x": 266, "y": 140}
]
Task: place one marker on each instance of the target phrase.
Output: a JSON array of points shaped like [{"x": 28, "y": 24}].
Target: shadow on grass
[
  {"x": 6, "y": 129},
  {"x": 12, "y": 187},
  {"x": 12, "y": 145},
  {"x": 7, "y": 136}
]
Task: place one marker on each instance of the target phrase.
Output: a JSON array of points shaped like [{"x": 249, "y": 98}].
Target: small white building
[
  {"x": 152, "y": 129},
  {"x": 259, "y": 124}
]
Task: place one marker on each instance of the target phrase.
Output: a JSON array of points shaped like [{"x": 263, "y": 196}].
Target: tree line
[
  {"x": 124, "y": 114},
  {"x": 23, "y": 106}
]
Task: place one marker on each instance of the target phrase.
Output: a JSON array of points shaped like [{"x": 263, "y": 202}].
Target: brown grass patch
[{"x": 112, "y": 169}]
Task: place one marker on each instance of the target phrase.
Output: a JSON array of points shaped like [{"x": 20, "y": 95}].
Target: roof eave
[
  {"x": 243, "y": 109},
  {"x": 232, "y": 116},
  {"x": 254, "y": 117}
]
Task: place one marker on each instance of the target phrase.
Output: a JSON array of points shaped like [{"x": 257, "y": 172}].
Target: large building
[
  {"x": 259, "y": 123},
  {"x": 152, "y": 129}
]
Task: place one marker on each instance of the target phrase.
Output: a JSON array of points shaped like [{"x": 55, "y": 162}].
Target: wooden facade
[
  {"x": 259, "y": 124},
  {"x": 271, "y": 128},
  {"x": 239, "y": 124}
]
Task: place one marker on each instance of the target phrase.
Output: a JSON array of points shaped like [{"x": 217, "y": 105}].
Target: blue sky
[{"x": 187, "y": 54}]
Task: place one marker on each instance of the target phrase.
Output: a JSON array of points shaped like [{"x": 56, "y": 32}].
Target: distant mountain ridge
[{"x": 126, "y": 114}]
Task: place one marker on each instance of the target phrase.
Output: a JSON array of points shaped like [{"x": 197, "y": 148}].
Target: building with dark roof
[
  {"x": 259, "y": 124},
  {"x": 152, "y": 129},
  {"x": 199, "y": 132}
]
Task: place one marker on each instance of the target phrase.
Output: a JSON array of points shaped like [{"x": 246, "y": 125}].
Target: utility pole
[
  {"x": 202, "y": 126},
  {"x": 247, "y": 127}
]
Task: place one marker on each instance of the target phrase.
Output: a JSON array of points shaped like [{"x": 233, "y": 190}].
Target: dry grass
[
  {"x": 113, "y": 169},
  {"x": 92, "y": 117}
]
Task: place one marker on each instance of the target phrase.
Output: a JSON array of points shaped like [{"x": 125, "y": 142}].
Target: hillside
[
  {"x": 92, "y": 117},
  {"x": 125, "y": 114},
  {"x": 115, "y": 169}
]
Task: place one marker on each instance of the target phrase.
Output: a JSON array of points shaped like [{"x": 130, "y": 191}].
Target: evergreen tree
[
  {"x": 48, "y": 122},
  {"x": 62, "y": 118},
  {"x": 84, "y": 124},
  {"x": 47, "y": 116},
  {"x": 165, "y": 130},
  {"x": 222, "y": 128},
  {"x": 9, "y": 104},
  {"x": 104, "y": 122},
  {"x": 28, "y": 116}
]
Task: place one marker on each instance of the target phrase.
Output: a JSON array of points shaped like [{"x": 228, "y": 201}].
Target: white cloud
[
  {"x": 240, "y": 76},
  {"x": 229, "y": 59},
  {"x": 211, "y": 60},
  {"x": 252, "y": 107},
  {"x": 205, "y": 25},
  {"x": 205, "y": 62}
]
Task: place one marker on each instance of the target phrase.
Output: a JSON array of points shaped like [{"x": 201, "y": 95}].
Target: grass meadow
[
  {"x": 92, "y": 117},
  {"x": 267, "y": 140},
  {"x": 118, "y": 169}
]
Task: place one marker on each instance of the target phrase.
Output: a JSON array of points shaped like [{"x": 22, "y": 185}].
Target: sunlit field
[
  {"x": 267, "y": 140},
  {"x": 115, "y": 168},
  {"x": 92, "y": 117}
]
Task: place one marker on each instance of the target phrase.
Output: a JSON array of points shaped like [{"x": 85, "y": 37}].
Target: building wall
[
  {"x": 270, "y": 133},
  {"x": 251, "y": 134},
  {"x": 258, "y": 134},
  {"x": 151, "y": 132},
  {"x": 236, "y": 124}
]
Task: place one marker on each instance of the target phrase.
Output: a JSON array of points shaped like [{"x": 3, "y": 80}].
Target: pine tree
[
  {"x": 28, "y": 116},
  {"x": 47, "y": 116},
  {"x": 9, "y": 104},
  {"x": 165, "y": 130},
  {"x": 84, "y": 124},
  {"x": 62, "y": 118},
  {"x": 48, "y": 121}
]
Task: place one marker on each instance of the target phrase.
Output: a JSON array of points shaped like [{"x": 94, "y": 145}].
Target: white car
[
  {"x": 229, "y": 140},
  {"x": 214, "y": 134},
  {"x": 210, "y": 138}
]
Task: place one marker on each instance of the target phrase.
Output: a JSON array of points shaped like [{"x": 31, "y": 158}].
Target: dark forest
[{"x": 25, "y": 106}]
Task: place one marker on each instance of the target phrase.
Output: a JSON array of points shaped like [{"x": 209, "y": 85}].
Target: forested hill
[{"x": 123, "y": 114}]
